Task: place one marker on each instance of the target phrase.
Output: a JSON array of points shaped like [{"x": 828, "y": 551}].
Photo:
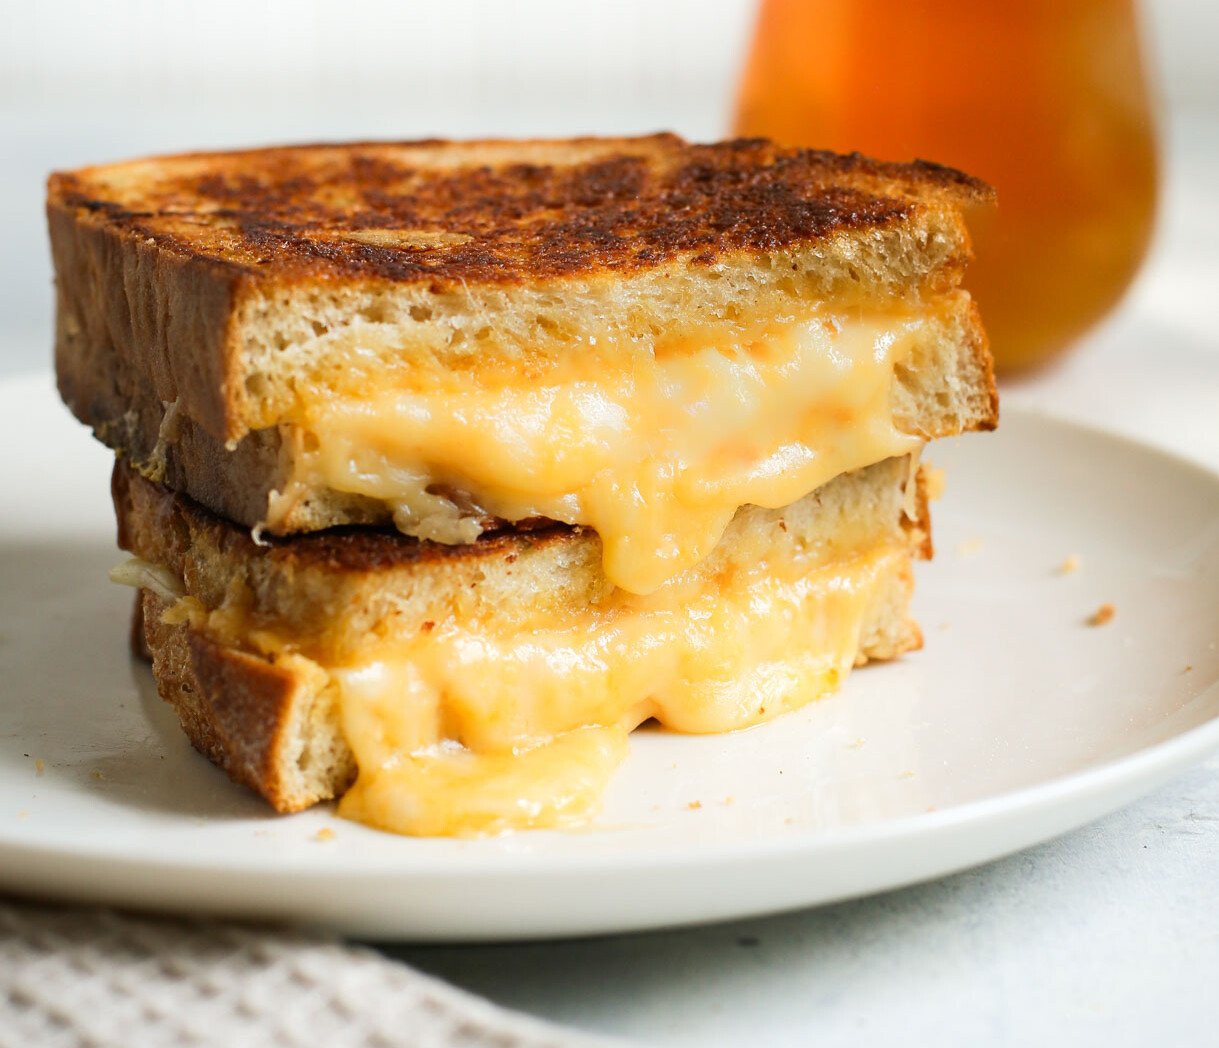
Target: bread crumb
[
  {"x": 23, "y": 814},
  {"x": 1102, "y": 615},
  {"x": 934, "y": 479},
  {"x": 906, "y": 775},
  {"x": 857, "y": 744},
  {"x": 96, "y": 774},
  {"x": 1188, "y": 669},
  {"x": 694, "y": 805},
  {"x": 1070, "y": 565},
  {"x": 945, "y": 626},
  {"x": 40, "y": 766},
  {"x": 729, "y": 801},
  {"x": 969, "y": 548},
  {"x": 324, "y": 834}
]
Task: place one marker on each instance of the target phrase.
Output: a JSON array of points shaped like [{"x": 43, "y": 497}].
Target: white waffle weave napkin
[{"x": 77, "y": 977}]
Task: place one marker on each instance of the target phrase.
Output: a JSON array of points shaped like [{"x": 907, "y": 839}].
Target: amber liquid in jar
[{"x": 1045, "y": 100}]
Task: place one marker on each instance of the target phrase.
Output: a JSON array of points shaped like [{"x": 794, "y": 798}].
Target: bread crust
[
  {"x": 189, "y": 274},
  {"x": 444, "y": 213},
  {"x": 247, "y": 715}
]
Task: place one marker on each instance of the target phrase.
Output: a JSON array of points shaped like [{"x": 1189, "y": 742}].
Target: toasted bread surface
[
  {"x": 210, "y": 278},
  {"x": 443, "y": 213},
  {"x": 270, "y": 727}
]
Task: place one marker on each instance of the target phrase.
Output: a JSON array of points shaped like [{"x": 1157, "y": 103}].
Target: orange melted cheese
[
  {"x": 655, "y": 447},
  {"x": 468, "y": 730}
]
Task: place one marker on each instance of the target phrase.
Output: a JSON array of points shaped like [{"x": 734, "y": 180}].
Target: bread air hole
[{"x": 256, "y": 385}]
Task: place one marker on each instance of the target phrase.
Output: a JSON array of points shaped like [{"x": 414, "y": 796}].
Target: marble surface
[{"x": 1108, "y": 936}]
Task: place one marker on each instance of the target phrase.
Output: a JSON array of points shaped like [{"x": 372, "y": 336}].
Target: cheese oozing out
[
  {"x": 498, "y": 719},
  {"x": 469, "y": 729},
  {"x": 655, "y": 444}
]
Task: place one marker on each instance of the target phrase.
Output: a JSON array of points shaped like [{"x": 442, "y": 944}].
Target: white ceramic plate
[{"x": 1017, "y": 721}]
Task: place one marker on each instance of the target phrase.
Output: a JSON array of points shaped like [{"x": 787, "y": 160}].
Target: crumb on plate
[
  {"x": 1102, "y": 615},
  {"x": 1070, "y": 565},
  {"x": 933, "y": 477}
]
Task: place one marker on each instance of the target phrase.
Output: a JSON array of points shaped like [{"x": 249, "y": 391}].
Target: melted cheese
[
  {"x": 653, "y": 446},
  {"x": 468, "y": 730}
]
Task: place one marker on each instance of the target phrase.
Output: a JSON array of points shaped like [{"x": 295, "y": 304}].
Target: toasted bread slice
[
  {"x": 251, "y": 652},
  {"x": 257, "y": 329},
  {"x": 944, "y": 388},
  {"x": 211, "y": 277}
]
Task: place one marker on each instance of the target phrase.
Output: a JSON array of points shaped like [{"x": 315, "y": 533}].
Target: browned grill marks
[{"x": 641, "y": 203}]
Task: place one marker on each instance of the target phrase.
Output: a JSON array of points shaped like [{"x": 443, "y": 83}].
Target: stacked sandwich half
[{"x": 445, "y": 465}]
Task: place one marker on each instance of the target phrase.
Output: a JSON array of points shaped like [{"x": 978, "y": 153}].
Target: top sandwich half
[{"x": 635, "y": 335}]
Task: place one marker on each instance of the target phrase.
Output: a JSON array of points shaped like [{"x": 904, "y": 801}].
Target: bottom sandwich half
[{"x": 468, "y": 690}]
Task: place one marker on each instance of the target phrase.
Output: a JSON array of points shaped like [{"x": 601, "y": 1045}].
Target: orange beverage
[{"x": 1045, "y": 100}]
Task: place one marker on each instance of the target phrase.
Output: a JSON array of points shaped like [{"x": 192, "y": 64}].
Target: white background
[{"x": 84, "y": 81}]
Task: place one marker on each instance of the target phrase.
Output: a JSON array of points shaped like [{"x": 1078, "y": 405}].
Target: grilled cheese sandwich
[
  {"x": 602, "y": 408},
  {"x": 449, "y": 696}
]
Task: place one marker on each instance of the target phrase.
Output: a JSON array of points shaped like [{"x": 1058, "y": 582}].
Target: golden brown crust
[
  {"x": 232, "y": 706},
  {"x": 179, "y": 520},
  {"x": 125, "y": 310},
  {"x": 243, "y": 712},
  {"x": 189, "y": 275},
  {"x": 135, "y": 638},
  {"x": 383, "y": 211},
  {"x": 917, "y": 524}
]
